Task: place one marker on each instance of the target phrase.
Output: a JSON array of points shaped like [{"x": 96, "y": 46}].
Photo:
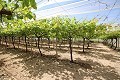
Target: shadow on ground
[{"x": 42, "y": 66}]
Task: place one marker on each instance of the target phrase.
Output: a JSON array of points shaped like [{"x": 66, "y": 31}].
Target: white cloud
[
  {"x": 68, "y": 5},
  {"x": 81, "y": 7},
  {"x": 74, "y": 13},
  {"x": 45, "y": 3},
  {"x": 60, "y": 10},
  {"x": 92, "y": 11}
]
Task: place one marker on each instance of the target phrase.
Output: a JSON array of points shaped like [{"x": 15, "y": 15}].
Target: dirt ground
[{"x": 98, "y": 63}]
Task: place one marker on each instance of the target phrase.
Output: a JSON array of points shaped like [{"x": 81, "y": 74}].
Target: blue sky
[{"x": 81, "y": 9}]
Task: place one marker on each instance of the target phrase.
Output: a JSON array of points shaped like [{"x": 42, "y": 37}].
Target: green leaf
[
  {"x": 29, "y": 15},
  {"x": 33, "y": 4},
  {"x": 9, "y": 0},
  {"x": 23, "y": 4},
  {"x": 1, "y": 7},
  {"x": 20, "y": 17},
  {"x": 26, "y": 2},
  {"x": 16, "y": 6},
  {"x": 9, "y": 17}
]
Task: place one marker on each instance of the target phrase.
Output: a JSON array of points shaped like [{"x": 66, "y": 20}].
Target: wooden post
[
  {"x": 26, "y": 43},
  {"x": 83, "y": 44},
  {"x": 70, "y": 46},
  {"x": 39, "y": 46}
]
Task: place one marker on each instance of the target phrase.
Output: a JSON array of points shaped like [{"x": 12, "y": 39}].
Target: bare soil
[{"x": 99, "y": 62}]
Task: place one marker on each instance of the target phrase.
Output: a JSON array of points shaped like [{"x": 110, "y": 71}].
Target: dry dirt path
[{"x": 98, "y": 63}]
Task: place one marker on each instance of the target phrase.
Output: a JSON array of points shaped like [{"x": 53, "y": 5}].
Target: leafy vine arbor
[
  {"x": 16, "y": 13},
  {"x": 15, "y": 27},
  {"x": 111, "y": 35},
  {"x": 87, "y": 30},
  {"x": 39, "y": 29},
  {"x": 52, "y": 29},
  {"x": 69, "y": 31}
]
